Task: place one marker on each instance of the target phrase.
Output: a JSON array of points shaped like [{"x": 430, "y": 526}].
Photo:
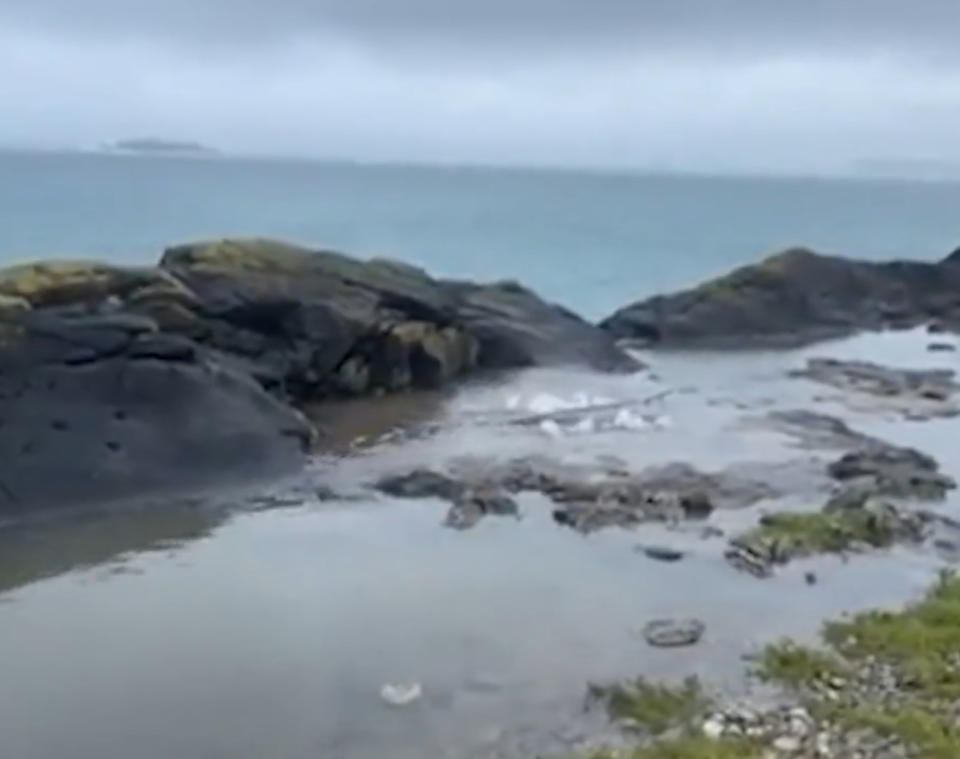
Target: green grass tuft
[
  {"x": 653, "y": 707},
  {"x": 691, "y": 748},
  {"x": 798, "y": 666}
]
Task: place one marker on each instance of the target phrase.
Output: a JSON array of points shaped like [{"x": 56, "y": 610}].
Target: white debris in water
[
  {"x": 551, "y": 428},
  {"x": 401, "y": 694},
  {"x": 625, "y": 419}
]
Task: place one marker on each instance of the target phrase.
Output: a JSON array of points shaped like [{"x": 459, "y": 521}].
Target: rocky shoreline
[{"x": 121, "y": 382}]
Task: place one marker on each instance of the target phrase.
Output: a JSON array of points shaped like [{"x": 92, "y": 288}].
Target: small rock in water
[
  {"x": 810, "y": 578},
  {"x": 401, "y": 694},
  {"x": 661, "y": 553},
  {"x": 670, "y": 633}
]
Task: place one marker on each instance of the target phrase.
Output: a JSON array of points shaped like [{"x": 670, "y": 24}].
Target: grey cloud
[
  {"x": 693, "y": 84},
  {"x": 733, "y": 27}
]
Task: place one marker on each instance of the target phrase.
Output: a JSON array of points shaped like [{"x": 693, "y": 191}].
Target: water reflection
[{"x": 39, "y": 549}]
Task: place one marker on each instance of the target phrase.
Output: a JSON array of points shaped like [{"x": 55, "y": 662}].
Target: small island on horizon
[{"x": 153, "y": 146}]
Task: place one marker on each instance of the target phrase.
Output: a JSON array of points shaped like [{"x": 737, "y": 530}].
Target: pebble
[
  {"x": 787, "y": 743},
  {"x": 669, "y": 633},
  {"x": 713, "y": 728},
  {"x": 662, "y": 553}
]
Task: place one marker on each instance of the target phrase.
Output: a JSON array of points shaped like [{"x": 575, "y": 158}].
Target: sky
[{"x": 795, "y": 86}]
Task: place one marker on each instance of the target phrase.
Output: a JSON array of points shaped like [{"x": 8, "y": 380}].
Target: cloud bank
[{"x": 712, "y": 85}]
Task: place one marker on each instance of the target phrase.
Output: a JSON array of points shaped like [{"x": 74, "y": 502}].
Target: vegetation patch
[
  {"x": 787, "y": 663},
  {"x": 783, "y": 536},
  {"x": 893, "y": 674},
  {"x": 653, "y": 707},
  {"x": 691, "y": 747}
]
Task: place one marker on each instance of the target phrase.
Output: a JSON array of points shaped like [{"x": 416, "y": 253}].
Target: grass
[
  {"x": 787, "y": 663},
  {"x": 891, "y": 675},
  {"x": 921, "y": 643},
  {"x": 917, "y": 648},
  {"x": 783, "y": 536},
  {"x": 653, "y": 707},
  {"x": 690, "y": 748}
]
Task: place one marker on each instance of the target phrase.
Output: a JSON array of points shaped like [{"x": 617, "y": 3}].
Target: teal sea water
[{"x": 592, "y": 241}]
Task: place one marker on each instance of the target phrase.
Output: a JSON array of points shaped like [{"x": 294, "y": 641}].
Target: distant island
[{"x": 151, "y": 146}]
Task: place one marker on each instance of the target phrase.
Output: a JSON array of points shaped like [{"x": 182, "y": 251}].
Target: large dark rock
[
  {"x": 118, "y": 382},
  {"x": 318, "y": 323},
  {"x": 102, "y": 408},
  {"x": 796, "y": 297}
]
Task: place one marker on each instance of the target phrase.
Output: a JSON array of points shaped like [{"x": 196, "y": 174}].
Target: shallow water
[{"x": 267, "y": 630}]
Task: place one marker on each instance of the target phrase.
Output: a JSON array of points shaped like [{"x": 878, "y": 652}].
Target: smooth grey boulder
[{"x": 98, "y": 410}]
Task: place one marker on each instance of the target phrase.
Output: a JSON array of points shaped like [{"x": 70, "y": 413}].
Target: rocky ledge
[
  {"x": 797, "y": 297},
  {"x": 118, "y": 382}
]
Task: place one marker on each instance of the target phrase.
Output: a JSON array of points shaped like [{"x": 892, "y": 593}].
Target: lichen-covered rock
[
  {"x": 306, "y": 313},
  {"x": 12, "y": 307},
  {"x": 795, "y": 297},
  {"x": 57, "y": 283}
]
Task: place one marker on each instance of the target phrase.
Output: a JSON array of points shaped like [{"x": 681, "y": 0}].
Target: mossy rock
[
  {"x": 57, "y": 283},
  {"x": 436, "y": 355},
  {"x": 12, "y": 307}
]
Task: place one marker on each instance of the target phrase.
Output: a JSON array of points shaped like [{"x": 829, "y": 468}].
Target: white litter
[{"x": 401, "y": 694}]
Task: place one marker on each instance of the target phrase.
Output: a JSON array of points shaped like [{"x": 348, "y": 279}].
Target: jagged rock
[
  {"x": 201, "y": 336},
  {"x": 587, "y": 498},
  {"x": 795, "y": 297},
  {"x": 893, "y": 471},
  {"x": 471, "y": 506},
  {"x": 421, "y": 483},
  {"x": 306, "y": 313}
]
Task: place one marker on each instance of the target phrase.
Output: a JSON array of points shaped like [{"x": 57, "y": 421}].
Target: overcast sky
[{"x": 791, "y": 85}]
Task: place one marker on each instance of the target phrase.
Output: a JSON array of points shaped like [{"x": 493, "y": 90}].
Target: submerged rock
[
  {"x": 796, "y": 297},
  {"x": 586, "y": 498},
  {"x": 916, "y": 393},
  {"x": 674, "y": 633},
  {"x": 473, "y": 505}
]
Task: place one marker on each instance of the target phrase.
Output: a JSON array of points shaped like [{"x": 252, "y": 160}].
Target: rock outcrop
[
  {"x": 101, "y": 408},
  {"x": 119, "y": 382},
  {"x": 796, "y": 297}
]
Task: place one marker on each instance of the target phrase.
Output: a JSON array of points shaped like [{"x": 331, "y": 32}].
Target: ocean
[
  {"x": 265, "y": 624},
  {"x": 591, "y": 241}
]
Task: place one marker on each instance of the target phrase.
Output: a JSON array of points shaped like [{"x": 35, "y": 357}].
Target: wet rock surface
[
  {"x": 874, "y": 465},
  {"x": 796, "y": 297},
  {"x": 585, "y": 498},
  {"x": 916, "y": 393}
]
